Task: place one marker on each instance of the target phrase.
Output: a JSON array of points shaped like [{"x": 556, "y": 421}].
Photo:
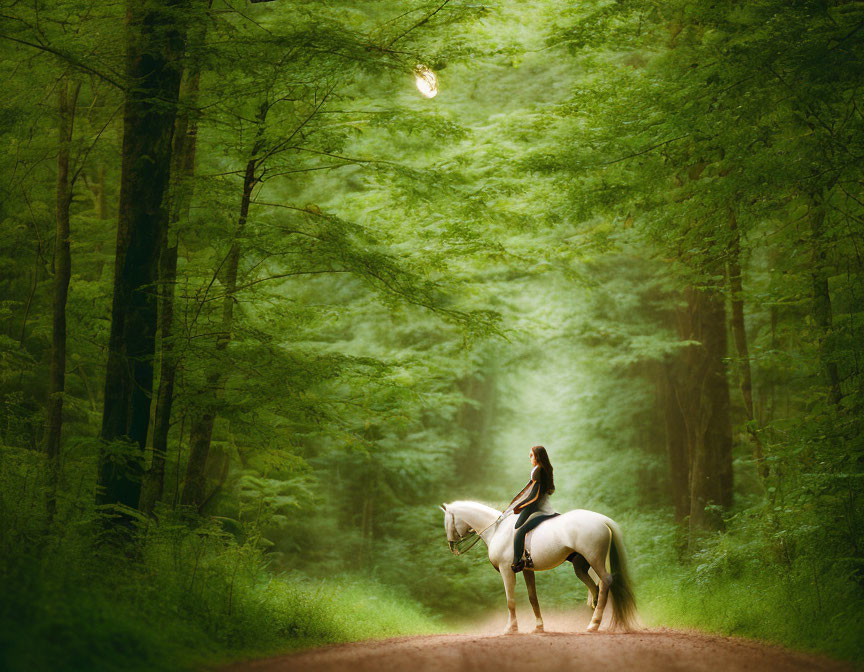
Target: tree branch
[
  {"x": 68, "y": 58},
  {"x": 271, "y": 277},
  {"x": 417, "y": 25},
  {"x": 645, "y": 151}
]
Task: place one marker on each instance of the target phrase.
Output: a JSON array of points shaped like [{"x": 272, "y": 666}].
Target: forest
[{"x": 279, "y": 277}]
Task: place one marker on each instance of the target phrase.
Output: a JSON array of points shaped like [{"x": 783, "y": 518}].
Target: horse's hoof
[
  {"x": 511, "y": 631},
  {"x": 592, "y": 628},
  {"x": 539, "y": 628}
]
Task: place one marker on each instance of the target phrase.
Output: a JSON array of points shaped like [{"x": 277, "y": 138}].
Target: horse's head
[{"x": 457, "y": 528}]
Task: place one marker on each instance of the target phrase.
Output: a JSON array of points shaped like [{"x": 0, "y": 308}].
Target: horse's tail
[{"x": 623, "y": 599}]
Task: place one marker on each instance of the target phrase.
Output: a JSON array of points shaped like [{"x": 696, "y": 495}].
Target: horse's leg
[
  {"x": 510, "y": 590},
  {"x": 580, "y": 566},
  {"x": 603, "y": 594},
  {"x": 598, "y": 564},
  {"x": 532, "y": 597},
  {"x": 597, "y": 558}
]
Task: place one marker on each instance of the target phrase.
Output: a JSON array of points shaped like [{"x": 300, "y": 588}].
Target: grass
[
  {"x": 180, "y": 594},
  {"x": 180, "y": 600},
  {"x": 772, "y": 605},
  {"x": 98, "y": 625}
]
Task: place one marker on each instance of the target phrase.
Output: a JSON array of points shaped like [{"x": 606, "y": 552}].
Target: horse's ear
[{"x": 443, "y": 507}]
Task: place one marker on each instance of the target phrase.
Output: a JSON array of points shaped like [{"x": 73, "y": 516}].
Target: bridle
[{"x": 466, "y": 542}]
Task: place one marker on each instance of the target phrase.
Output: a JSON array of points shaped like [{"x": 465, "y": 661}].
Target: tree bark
[
  {"x": 153, "y": 54},
  {"x": 676, "y": 442},
  {"x": 718, "y": 436},
  {"x": 739, "y": 332},
  {"x": 194, "y": 488},
  {"x": 182, "y": 171},
  {"x": 155, "y": 477},
  {"x": 822, "y": 312},
  {"x": 703, "y": 396},
  {"x": 66, "y": 99}
]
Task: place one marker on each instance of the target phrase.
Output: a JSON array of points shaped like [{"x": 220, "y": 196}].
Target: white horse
[{"x": 591, "y": 541}]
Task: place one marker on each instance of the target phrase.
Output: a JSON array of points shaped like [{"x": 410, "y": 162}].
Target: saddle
[{"x": 526, "y": 555}]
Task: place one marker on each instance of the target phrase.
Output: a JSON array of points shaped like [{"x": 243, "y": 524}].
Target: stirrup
[{"x": 518, "y": 566}]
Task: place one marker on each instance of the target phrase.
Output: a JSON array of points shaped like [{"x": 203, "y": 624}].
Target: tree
[
  {"x": 67, "y": 98},
  {"x": 739, "y": 332},
  {"x": 182, "y": 173},
  {"x": 154, "y": 46},
  {"x": 704, "y": 398}
]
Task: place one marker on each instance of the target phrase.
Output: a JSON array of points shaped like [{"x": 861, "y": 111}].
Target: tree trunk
[
  {"x": 740, "y": 334},
  {"x": 67, "y": 99},
  {"x": 154, "y": 479},
  {"x": 676, "y": 442},
  {"x": 99, "y": 190},
  {"x": 822, "y": 297},
  {"x": 202, "y": 427},
  {"x": 718, "y": 436},
  {"x": 703, "y": 396},
  {"x": 475, "y": 416},
  {"x": 153, "y": 53},
  {"x": 182, "y": 171}
]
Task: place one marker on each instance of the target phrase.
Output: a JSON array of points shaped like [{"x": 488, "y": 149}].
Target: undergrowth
[
  {"x": 180, "y": 593},
  {"x": 771, "y": 587}
]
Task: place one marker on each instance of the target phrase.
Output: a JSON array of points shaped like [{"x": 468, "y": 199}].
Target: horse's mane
[{"x": 474, "y": 505}]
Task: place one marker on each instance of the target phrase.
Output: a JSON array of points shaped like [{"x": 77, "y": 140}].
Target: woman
[{"x": 532, "y": 504}]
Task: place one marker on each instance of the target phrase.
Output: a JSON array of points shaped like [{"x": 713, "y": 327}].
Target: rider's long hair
[{"x": 543, "y": 460}]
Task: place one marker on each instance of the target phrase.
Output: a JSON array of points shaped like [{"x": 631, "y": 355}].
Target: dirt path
[{"x": 559, "y": 649}]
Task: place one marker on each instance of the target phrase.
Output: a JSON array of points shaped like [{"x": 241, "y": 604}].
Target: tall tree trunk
[
  {"x": 718, "y": 435},
  {"x": 182, "y": 171},
  {"x": 153, "y": 55},
  {"x": 474, "y": 416},
  {"x": 703, "y": 395},
  {"x": 100, "y": 206},
  {"x": 97, "y": 192},
  {"x": 821, "y": 296},
  {"x": 155, "y": 476},
  {"x": 67, "y": 98},
  {"x": 740, "y": 334},
  {"x": 194, "y": 488},
  {"x": 676, "y": 441}
]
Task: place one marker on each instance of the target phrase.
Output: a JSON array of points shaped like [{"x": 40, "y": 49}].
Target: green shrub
[{"x": 179, "y": 593}]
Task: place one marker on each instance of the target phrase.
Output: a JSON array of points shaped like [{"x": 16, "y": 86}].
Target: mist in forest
[{"x": 280, "y": 278}]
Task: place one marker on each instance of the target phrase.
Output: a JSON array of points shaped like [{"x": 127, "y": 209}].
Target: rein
[{"x": 466, "y": 543}]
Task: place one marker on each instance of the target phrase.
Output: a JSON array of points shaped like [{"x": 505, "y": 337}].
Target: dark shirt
[{"x": 536, "y": 488}]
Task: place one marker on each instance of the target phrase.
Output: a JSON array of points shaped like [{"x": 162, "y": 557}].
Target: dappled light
[{"x": 427, "y": 81}]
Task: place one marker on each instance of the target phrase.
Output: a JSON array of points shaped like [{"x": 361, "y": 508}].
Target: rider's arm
[{"x": 532, "y": 497}]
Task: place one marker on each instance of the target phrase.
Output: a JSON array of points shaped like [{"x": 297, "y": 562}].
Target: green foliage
[
  {"x": 425, "y": 289},
  {"x": 175, "y": 598},
  {"x": 739, "y": 578}
]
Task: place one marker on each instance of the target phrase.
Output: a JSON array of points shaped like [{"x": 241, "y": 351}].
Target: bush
[{"x": 181, "y": 592}]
